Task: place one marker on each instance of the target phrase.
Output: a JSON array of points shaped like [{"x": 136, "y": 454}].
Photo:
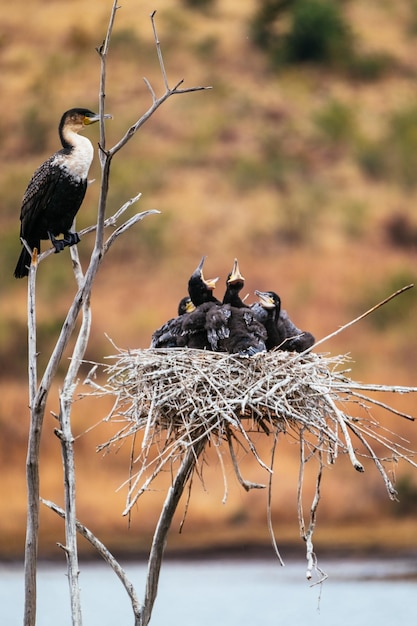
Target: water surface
[{"x": 227, "y": 593}]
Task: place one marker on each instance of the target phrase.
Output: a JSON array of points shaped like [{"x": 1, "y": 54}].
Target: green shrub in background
[
  {"x": 319, "y": 33},
  {"x": 399, "y": 312},
  {"x": 336, "y": 122},
  {"x": 295, "y": 31},
  {"x": 313, "y": 31},
  {"x": 407, "y": 495},
  {"x": 401, "y": 145},
  {"x": 392, "y": 156},
  {"x": 199, "y": 4}
]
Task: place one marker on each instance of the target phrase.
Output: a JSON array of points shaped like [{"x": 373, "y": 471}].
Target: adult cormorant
[
  {"x": 282, "y": 332},
  {"x": 57, "y": 189}
]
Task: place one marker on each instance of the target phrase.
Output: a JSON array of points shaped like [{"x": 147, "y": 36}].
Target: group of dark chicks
[{"x": 230, "y": 325}]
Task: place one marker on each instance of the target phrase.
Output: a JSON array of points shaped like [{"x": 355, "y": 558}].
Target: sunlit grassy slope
[{"x": 306, "y": 175}]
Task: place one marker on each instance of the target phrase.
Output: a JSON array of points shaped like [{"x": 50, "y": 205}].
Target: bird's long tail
[{"x": 22, "y": 267}]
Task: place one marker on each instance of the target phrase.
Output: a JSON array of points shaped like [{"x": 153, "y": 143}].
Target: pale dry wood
[
  {"x": 176, "y": 397},
  {"x": 172, "y": 499},
  {"x": 65, "y": 435},
  {"x": 38, "y": 392},
  {"x": 104, "y": 553},
  {"x": 32, "y": 458}
]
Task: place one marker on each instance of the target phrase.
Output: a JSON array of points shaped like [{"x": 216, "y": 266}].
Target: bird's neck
[{"x": 76, "y": 155}]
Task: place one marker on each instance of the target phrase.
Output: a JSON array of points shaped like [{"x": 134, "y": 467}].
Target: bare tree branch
[
  {"x": 161, "y": 532},
  {"x": 67, "y": 440},
  {"x": 108, "y": 222},
  {"x": 158, "y": 50},
  {"x": 156, "y": 102},
  {"x": 124, "y": 227},
  {"x": 32, "y": 458},
  {"x": 104, "y": 553},
  {"x": 361, "y": 317},
  {"x": 103, "y": 51},
  {"x": 38, "y": 392}
]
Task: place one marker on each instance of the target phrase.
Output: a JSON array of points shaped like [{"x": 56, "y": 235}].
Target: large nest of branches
[{"x": 182, "y": 399}]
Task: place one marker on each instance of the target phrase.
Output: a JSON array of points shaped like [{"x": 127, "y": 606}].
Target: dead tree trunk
[{"x": 38, "y": 392}]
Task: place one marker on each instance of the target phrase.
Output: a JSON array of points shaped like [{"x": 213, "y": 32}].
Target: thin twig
[
  {"x": 246, "y": 484},
  {"x": 103, "y": 552},
  {"x": 269, "y": 502},
  {"x": 158, "y": 50},
  {"x": 361, "y": 317}
]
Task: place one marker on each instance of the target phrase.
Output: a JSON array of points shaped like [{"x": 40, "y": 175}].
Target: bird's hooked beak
[
  {"x": 265, "y": 299},
  {"x": 235, "y": 275},
  {"x": 95, "y": 118},
  {"x": 209, "y": 282}
]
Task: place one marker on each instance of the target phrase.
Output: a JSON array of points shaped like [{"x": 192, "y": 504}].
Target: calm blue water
[{"x": 227, "y": 593}]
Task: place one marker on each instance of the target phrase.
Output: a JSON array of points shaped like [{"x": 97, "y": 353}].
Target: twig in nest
[{"x": 177, "y": 398}]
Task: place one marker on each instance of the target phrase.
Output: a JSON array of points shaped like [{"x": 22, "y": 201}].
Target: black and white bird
[{"x": 57, "y": 189}]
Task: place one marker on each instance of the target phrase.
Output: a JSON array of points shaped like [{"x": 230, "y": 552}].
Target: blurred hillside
[{"x": 303, "y": 165}]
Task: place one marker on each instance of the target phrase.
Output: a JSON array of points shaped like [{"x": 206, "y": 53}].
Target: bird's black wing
[
  {"x": 247, "y": 335},
  {"x": 51, "y": 201},
  {"x": 259, "y": 312},
  {"x": 217, "y": 324},
  {"x": 295, "y": 340},
  {"x": 37, "y": 197},
  {"x": 168, "y": 335},
  {"x": 193, "y": 328}
]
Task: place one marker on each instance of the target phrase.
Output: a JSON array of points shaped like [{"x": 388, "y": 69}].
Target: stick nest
[
  {"x": 181, "y": 398},
  {"x": 185, "y": 394}
]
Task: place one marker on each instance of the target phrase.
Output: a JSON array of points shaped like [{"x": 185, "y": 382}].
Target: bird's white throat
[{"x": 78, "y": 162}]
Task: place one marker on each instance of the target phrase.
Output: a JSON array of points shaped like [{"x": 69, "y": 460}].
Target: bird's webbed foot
[
  {"x": 58, "y": 244},
  {"x": 69, "y": 239}
]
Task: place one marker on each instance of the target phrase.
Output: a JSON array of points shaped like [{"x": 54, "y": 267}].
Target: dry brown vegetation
[{"x": 302, "y": 173}]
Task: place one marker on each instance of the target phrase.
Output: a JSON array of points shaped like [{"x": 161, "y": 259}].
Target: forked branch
[
  {"x": 156, "y": 102},
  {"x": 104, "y": 553},
  {"x": 38, "y": 392}
]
